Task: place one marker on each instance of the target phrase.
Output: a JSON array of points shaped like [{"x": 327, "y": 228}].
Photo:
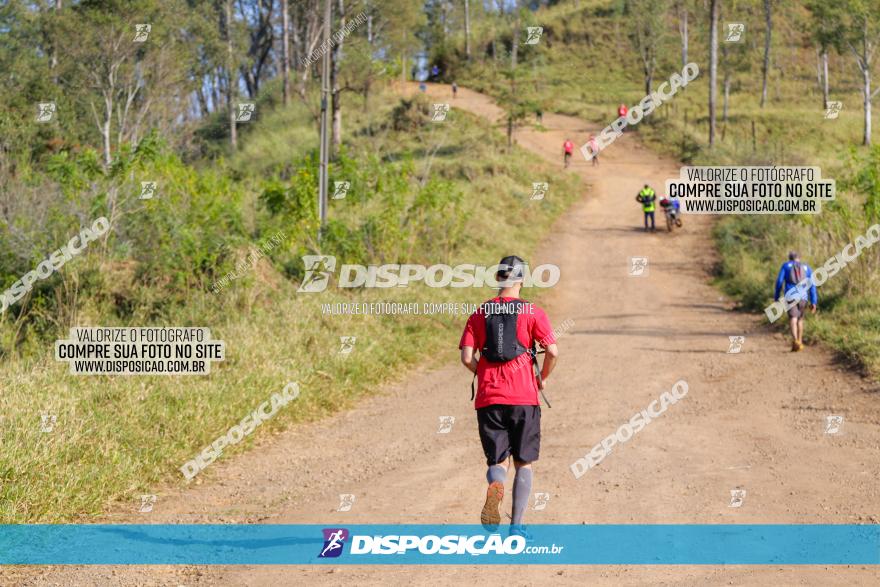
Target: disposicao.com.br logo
[
  {"x": 320, "y": 268},
  {"x": 411, "y": 544}
]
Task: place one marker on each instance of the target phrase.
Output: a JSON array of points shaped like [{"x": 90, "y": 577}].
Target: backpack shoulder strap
[{"x": 537, "y": 368}]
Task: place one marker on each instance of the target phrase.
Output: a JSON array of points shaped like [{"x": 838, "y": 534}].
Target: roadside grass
[
  {"x": 116, "y": 438},
  {"x": 571, "y": 71}
]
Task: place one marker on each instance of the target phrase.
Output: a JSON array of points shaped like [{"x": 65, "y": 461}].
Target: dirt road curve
[{"x": 752, "y": 420}]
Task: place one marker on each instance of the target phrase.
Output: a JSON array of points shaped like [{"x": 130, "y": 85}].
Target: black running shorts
[{"x": 506, "y": 430}]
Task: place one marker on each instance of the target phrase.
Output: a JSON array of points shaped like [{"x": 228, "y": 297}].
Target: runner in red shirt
[
  {"x": 567, "y": 148},
  {"x": 508, "y": 410},
  {"x": 622, "y": 111}
]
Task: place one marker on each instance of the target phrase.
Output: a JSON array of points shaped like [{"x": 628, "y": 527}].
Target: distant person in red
[
  {"x": 568, "y": 149},
  {"x": 622, "y": 111},
  {"x": 505, "y": 331}
]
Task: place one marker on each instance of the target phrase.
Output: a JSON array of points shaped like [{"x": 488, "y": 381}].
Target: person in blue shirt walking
[{"x": 796, "y": 279}]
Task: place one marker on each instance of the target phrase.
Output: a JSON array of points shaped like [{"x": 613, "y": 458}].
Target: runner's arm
[
  {"x": 551, "y": 352},
  {"x": 468, "y": 359},
  {"x": 780, "y": 281}
]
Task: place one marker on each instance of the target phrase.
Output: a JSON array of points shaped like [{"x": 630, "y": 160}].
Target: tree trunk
[
  {"x": 285, "y": 52},
  {"x": 767, "y": 35},
  {"x": 467, "y": 30},
  {"x": 866, "y": 76},
  {"x": 403, "y": 59},
  {"x": 713, "y": 67},
  {"x": 105, "y": 132},
  {"x": 53, "y": 50},
  {"x": 825, "y": 78},
  {"x": 726, "y": 98},
  {"x": 515, "y": 41},
  {"x": 336, "y": 103},
  {"x": 369, "y": 80},
  {"x": 231, "y": 78},
  {"x": 683, "y": 31}
]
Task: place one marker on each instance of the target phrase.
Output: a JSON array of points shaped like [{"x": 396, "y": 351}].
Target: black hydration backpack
[
  {"x": 502, "y": 344},
  {"x": 797, "y": 272}
]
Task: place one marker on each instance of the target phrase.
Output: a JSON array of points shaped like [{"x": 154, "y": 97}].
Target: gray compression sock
[
  {"x": 496, "y": 473},
  {"x": 522, "y": 488}
]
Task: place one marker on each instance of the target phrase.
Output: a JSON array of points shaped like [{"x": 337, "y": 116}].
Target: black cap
[{"x": 510, "y": 270}]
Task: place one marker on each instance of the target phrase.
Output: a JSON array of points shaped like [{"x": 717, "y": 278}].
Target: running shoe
[{"x": 490, "y": 517}]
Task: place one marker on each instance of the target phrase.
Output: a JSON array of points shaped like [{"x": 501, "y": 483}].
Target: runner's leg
[
  {"x": 497, "y": 473},
  {"x": 522, "y": 489}
]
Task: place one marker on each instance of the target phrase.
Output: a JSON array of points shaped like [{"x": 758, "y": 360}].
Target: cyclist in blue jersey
[{"x": 796, "y": 280}]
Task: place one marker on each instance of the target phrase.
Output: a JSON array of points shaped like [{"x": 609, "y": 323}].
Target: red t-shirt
[
  {"x": 622, "y": 111},
  {"x": 511, "y": 383},
  {"x": 568, "y": 146}
]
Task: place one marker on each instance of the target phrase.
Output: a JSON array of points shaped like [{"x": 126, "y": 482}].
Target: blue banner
[{"x": 273, "y": 544}]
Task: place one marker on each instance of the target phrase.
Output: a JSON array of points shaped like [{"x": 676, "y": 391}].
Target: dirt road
[{"x": 752, "y": 420}]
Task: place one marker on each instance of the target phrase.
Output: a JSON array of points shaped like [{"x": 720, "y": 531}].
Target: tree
[
  {"x": 121, "y": 80},
  {"x": 683, "y": 30},
  {"x": 714, "y": 7},
  {"x": 467, "y": 30},
  {"x": 648, "y": 26},
  {"x": 285, "y": 52},
  {"x": 827, "y": 33},
  {"x": 857, "y": 23},
  {"x": 256, "y": 18},
  {"x": 336, "y": 97},
  {"x": 734, "y": 59},
  {"x": 768, "y": 33}
]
